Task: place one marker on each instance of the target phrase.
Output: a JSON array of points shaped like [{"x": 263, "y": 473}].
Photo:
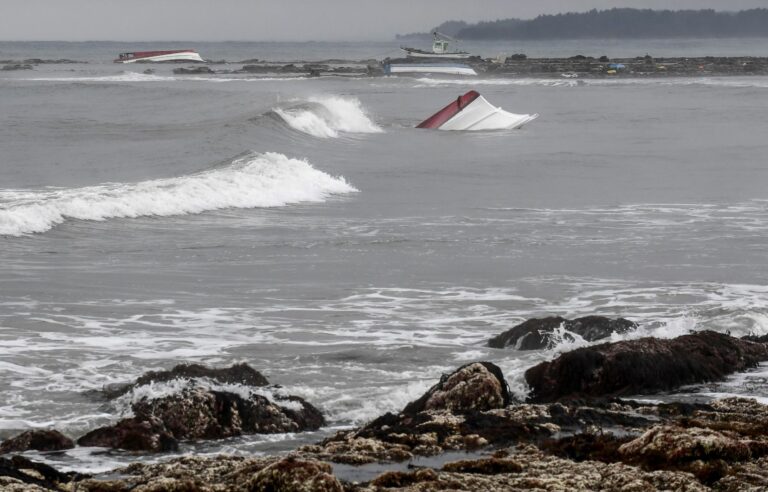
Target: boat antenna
[{"x": 438, "y": 34}]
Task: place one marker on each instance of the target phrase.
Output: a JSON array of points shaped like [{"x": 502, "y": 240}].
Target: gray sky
[{"x": 280, "y": 20}]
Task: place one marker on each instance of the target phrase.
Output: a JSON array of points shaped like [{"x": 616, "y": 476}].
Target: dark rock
[
  {"x": 17, "y": 66},
  {"x": 489, "y": 466},
  {"x": 396, "y": 479},
  {"x": 257, "y": 69},
  {"x": 192, "y": 70},
  {"x": 132, "y": 435},
  {"x": 473, "y": 387},
  {"x": 32, "y": 473},
  {"x": 39, "y": 440},
  {"x": 198, "y": 413},
  {"x": 536, "y": 334},
  {"x": 237, "y": 374},
  {"x": 586, "y": 446},
  {"x": 642, "y": 366},
  {"x": 756, "y": 338}
]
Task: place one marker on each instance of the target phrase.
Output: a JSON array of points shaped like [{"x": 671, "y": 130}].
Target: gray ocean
[{"x": 305, "y": 227}]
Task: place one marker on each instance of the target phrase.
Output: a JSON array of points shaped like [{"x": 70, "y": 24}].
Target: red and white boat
[
  {"x": 160, "y": 56},
  {"x": 473, "y": 112}
]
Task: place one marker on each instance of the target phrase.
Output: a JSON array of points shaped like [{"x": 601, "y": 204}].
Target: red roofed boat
[{"x": 160, "y": 56}]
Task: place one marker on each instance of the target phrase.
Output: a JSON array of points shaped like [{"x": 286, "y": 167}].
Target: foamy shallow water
[{"x": 304, "y": 227}]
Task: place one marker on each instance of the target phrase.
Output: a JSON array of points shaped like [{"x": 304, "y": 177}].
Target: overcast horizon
[{"x": 286, "y": 20}]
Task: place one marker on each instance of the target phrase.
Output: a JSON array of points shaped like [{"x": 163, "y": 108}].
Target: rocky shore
[
  {"x": 515, "y": 66},
  {"x": 520, "y": 66},
  {"x": 467, "y": 432}
]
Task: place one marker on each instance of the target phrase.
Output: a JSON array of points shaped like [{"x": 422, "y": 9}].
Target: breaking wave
[
  {"x": 254, "y": 180},
  {"x": 326, "y": 117}
]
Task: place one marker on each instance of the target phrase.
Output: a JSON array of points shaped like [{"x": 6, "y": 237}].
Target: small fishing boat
[
  {"x": 439, "y": 49},
  {"x": 473, "y": 112},
  {"x": 429, "y": 68},
  {"x": 160, "y": 56}
]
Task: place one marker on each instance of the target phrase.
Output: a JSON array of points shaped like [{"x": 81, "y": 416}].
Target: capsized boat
[
  {"x": 160, "y": 56},
  {"x": 439, "y": 49},
  {"x": 429, "y": 68},
  {"x": 473, "y": 112}
]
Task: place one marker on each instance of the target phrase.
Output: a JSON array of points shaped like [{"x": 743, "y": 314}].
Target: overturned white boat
[
  {"x": 473, "y": 112},
  {"x": 429, "y": 68},
  {"x": 160, "y": 56}
]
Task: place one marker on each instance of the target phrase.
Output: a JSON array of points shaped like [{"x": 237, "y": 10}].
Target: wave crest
[
  {"x": 251, "y": 181},
  {"x": 326, "y": 117}
]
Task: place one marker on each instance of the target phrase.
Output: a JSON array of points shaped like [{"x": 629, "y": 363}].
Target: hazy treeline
[{"x": 616, "y": 23}]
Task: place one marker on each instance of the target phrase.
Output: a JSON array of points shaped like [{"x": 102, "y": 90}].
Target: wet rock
[
  {"x": 703, "y": 452},
  {"x": 18, "y": 472},
  {"x": 756, "y": 338},
  {"x": 489, "y": 466},
  {"x": 586, "y": 446},
  {"x": 192, "y": 70},
  {"x": 536, "y": 334},
  {"x": 237, "y": 374},
  {"x": 198, "y": 413},
  {"x": 132, "y": 435},
  {"x": 17, "y": 66},
  {"x": 526, "y": 468},
  {"x": 642, "y": 366},
  {"x": 294, "y": 475},
  {"x": 474, "y": 387},
  {"x": 201, "y": 413},
  {"x": 39, "y": 440}
]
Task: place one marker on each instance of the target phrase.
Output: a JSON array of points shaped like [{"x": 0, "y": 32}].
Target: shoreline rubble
[
  {"x": 520, "y": 66},
  {"x": 573, "y": 441}
]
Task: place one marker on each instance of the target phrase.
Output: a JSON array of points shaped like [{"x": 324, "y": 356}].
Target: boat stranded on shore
[
  {"x": 440, "y": 49},
  {"x": 160, "y": 56}
]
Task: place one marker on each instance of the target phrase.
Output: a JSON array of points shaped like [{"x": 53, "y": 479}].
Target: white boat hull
[
  {"x": 450, "y": 56},
  {"x": 188, "y": 56},
  {"x": 429, "y": 69},
  {"x": 482, "y": 115}
]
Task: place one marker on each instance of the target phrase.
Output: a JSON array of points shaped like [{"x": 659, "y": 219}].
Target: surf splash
[
  {"x": 251, "y": 181},
  {"x": 326, "y": 117}
]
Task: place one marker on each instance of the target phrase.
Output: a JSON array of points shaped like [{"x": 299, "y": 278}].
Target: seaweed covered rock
[
  {"x": 132, "y": 435},
  {"x": 473, "y": 387},
  {"x": 202, "y": 413},
  {"x": 199, "y": 413},
  {"x": 294, "y": 475},
  {"x": 536, "y": 334},
  {"x": 39, "y": 440},
  {"x": 21, "y": 474},
  {"x": 642, "y": 366}
]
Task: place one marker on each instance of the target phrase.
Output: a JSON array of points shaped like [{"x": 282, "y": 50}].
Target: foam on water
[
  {"x": 255, "y": 180},
  {"x": 127, "y": 77},
  {"x": 326, "y": 117},
  {"x": 759, "y": 82}
]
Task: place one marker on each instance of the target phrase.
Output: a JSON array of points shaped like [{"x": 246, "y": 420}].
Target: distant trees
[{"x": 621, "y": 23}]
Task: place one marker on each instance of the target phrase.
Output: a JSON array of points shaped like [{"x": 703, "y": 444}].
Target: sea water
[{"x": 303, "y": 226}]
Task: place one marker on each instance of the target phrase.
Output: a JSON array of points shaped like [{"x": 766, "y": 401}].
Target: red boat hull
[{"x": 448, "y": 112}]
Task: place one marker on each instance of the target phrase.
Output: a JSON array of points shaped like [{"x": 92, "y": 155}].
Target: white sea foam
[
  {"x": 326, "y": 117},
  {"x": 256, "y": 180},
  {"x": 127, "y": 77},
  {"x": 757, "y": 82}
]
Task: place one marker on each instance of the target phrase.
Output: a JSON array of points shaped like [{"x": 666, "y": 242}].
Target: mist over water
[{"x": 305, "y": 227}]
